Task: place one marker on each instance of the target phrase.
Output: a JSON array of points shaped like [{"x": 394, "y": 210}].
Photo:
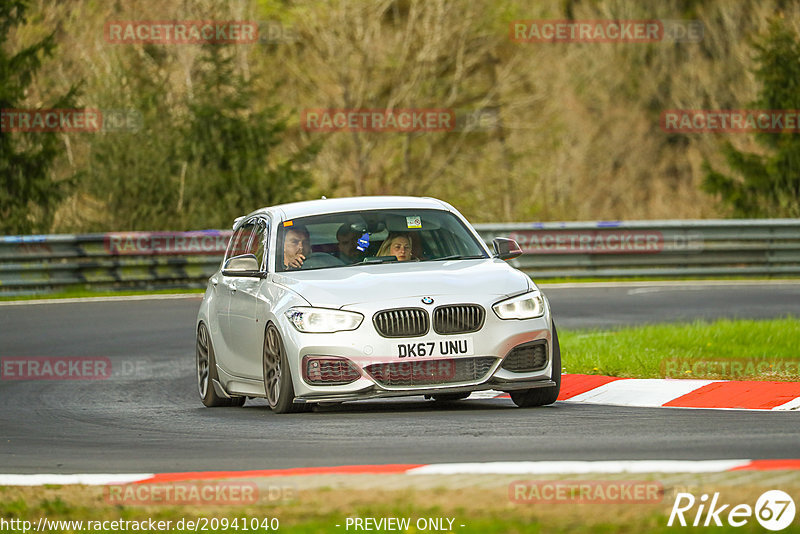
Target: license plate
[{"x": 462, "y": 346}]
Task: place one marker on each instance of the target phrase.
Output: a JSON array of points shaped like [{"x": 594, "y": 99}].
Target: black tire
[
  {"x": 451, "y": 397},
  {"x": 527, "y": 398},
  {"x": 206, "y": 367},
  {"x": 277, "y": 375}
]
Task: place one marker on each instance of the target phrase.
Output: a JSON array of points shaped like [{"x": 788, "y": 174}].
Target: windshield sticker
[
  {"x": 363, "y": 243},
  {"x": 414, "y": 222},
  {"x": 288, "y": 223}
]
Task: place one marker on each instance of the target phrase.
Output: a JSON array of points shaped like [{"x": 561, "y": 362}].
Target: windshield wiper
[
  {"x": 373, "y": 261},
  {"x": 460, "y": 257}
]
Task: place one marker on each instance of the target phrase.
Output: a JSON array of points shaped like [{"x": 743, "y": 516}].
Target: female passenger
[{"x": 397, "y": 245}]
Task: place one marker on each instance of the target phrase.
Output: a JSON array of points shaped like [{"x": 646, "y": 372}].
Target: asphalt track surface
[{"x": 147, "y": 417}]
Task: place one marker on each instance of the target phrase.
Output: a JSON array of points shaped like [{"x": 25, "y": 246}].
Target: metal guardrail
[
  {"x": 670, "y": 248},
  {"x": 766, "y": 248},
  {"x": 41, "y": 264}
]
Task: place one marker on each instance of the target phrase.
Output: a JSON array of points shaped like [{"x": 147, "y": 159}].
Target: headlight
[
  {"x": 323, "y": 320},
  {"x": 527, "y": 306}
]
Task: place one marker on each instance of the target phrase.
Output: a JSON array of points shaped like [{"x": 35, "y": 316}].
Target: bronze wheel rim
[
  {"x": 272, "y": 366},
  {"x": 203, "y": 361}
]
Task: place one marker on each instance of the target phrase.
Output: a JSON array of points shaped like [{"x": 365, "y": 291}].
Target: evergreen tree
[
  {"x": 200, "y": 163},
  {"x": 769, "y": 184},
  {"x": 135, "y": 173},
  {"x": 231, "y": 141},
  {"x": 28, "y": 193}
]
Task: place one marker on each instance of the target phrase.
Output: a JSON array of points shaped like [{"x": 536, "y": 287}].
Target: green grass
[{"x": 729, "y": 349}]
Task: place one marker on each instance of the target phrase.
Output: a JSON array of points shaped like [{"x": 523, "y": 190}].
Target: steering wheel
[{"x": 316, "y": 260}]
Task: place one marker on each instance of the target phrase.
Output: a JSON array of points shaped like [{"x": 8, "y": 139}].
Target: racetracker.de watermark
[
  {"x": 586, "y": 491},
  {"x": 605, "y": 31},
  {"x": 210, "y": 243},
  {"x": 730, "y": 121},
  {"x": 418, "y": 371},
  {"x": 70, "y": 120},
  {"x": 729, "y": 369},
  {"x": 55, "y": 368},
  {"x": 378, "y": 120},
  {"x": 181, "y": 32},
  {"x": 610, "y": 241},
  {"x": 184, "y": 493}
]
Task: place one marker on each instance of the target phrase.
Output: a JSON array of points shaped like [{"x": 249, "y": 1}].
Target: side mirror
[
  {"x": 505, "y": 249},
  {"x": 244, "y": 265}
]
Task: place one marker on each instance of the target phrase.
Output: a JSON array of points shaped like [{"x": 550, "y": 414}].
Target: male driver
[
  {"x": 347, "y": 240},
  {"x": 296, "y": 247}
]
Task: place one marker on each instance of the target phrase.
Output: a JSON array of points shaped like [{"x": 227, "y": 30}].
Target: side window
[
  {"x": 240, "y": 242},
  {"x": 234, "y": 244}
]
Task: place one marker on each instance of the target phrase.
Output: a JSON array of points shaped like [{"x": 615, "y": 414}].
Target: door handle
[{"x": 233, "y": 288}]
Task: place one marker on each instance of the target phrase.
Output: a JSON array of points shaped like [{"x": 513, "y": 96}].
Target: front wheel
[
  {"x": 206, "y": 366},
  {"x": 526, "y": 398},
  {"x": 277, "y": 375}
]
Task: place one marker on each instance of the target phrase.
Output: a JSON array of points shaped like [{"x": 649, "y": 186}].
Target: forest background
[{"x": 546, "y": 131}]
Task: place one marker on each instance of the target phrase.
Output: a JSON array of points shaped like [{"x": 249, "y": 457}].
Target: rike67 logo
[{"x": 774, "y": 510}]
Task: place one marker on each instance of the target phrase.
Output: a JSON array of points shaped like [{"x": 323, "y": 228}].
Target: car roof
[{"x": 335, "y": 205}]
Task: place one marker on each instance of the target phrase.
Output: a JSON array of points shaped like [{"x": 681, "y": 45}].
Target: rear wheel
[
  {"x": 277, "y": 375},
  {"x": 206, "y": 366},
  {"x": 526, "y": 398}
]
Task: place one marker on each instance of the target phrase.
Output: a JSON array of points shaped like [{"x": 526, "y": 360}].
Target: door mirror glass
[
  {"x": 505, "y": 249},
  {"x": 244, "y": 265}
]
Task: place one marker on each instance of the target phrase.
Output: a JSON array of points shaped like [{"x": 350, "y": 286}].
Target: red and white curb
[
  {"x": 477, "y": 468},
  {"x": 675, "y": 393}
]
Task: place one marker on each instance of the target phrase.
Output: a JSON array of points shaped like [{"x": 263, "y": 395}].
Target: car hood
[{"x": 343, "y": 286}]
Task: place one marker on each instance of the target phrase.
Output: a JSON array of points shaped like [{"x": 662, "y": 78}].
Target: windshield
[{"x": 350, "y": 239}]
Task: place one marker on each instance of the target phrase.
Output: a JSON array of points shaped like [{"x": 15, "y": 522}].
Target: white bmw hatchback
[{"x": 345, "y": 299}]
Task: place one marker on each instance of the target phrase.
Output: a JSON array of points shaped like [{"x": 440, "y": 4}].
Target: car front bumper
[{"x": 364, "y": 347}]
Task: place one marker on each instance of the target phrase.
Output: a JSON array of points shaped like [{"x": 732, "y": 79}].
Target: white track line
[
  {"x": 483, "y": 468},
  {"x": 678, "y": 284},
  {"x": 85, "y": 479},
  {"x": 793, "y": 404},
  {"x": 665, "y": 283},
  {"x": 121, "y": 298},
  {"x": 579, "y": 467},
  {"x": 488, "y": 394}
]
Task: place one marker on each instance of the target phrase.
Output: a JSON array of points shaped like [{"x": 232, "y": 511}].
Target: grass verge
[
  {"x": 722, "y": 349},
  {"x": 474, "y": 504}
]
